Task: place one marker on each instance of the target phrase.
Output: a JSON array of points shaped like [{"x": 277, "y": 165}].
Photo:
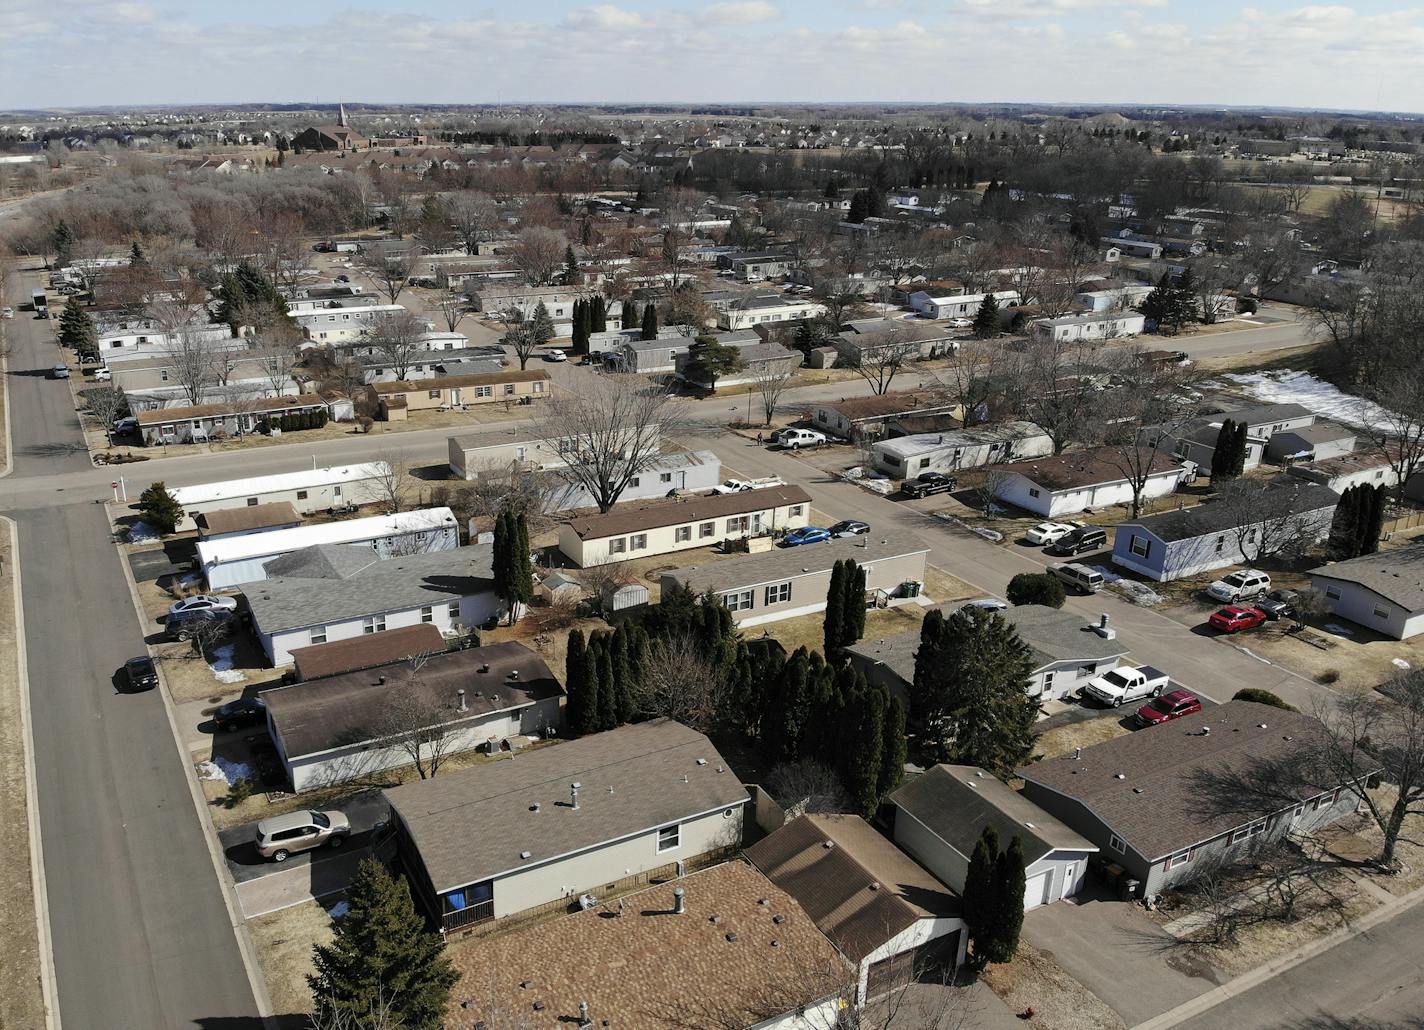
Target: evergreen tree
[
  {"x": 382, "y": 954},
  {"x": 1222, "y": 453},
  {"x": 541, "y": 325},
  {"x": 1036, "y": 588},
  {"x": 969, "y": 702},
  {"x": 607, "y": 686},
  {"x": 986, "y": 319},
  {"x": 136, "y": 256},
  {"x": 576, "y": 685},
  {"x": 1184, "y": 298},
  {"x": 859, "y": 207},
  {"x": 1371, "y": 522},
  {"x": 650, "y": 322},
  {"x": 892, "y": 747},
  {"x": 1159, "y": 306},
  {"x": 1010, "y": 881},
  {"x": 784, "y": 719},
  {"x": 580, "y": 328},
  {"x": 833, "y": 625},
  {"x": 64, "y": 241},
  {"x": 708, "y": 360},
  {"x": 160, "y": 509},
  {"x": 854, "y": 604},
  {"x": 832, "y": 190},
  {"x": 572, "y": 275},
  {"x": 1345, "y": 525},
  {"x": 979, "y": 898},
  {"x": 1238, "y": 450},
  {"x": 77, "y": 331},
  {"x": 593, "y": 689},
  {"x": 864, "y": 719},
  {"x": 599, "y": 321},
  {"x": 513, "y": 579},
  {"x": 631, "y": 317},
  {"x": 623, "y": 676}
]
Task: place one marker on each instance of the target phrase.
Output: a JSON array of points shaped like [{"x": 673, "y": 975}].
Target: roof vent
[
  {"x": 534, "y": 807},
  {"x": 702, "y": 761},
  {"x": 1206, "y": 731},
  {"x": 514, "y": 674},
  {"x": 763, "y": 902},
  {"x": 461, "y": 706},
  {"x": 1137, "y": 790},
  {"x": 732, "y": 937},
  {"x": 679, "y": 901},
  {"x": 526, "y": 984},
  {"x": 1077, "y": 753},
  {"x": 574, "y": 788},
  {"x": 1261, "y": 725},
  {"x": 1119, "y": 776},
  {"x": 778, "y": 919},
  {"x": 381, "y": 679},
  {"x": 1030, "y": 825},
  {"x": 484, "y": 667},
  {"x": 526, "y": 854},
  {"x": 684, "y": 777},
  {"x": 875, "y": 885},
  {"x": 775, "y": 943},
  {"x": 828, "y": 844}
]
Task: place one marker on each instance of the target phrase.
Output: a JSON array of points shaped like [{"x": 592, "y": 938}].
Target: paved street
[{"x": 141, "y": 936}]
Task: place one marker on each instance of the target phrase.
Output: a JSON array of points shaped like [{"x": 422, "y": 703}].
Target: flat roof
[
  {"x": 999, "y": 432},
  {"x": 782, "y": 563},
  {"x": 691, "y": 509},
  {"x": 348, "y": 531},
  {"x": 476, "y": 823},
  {"x": 228, "y": 489}
]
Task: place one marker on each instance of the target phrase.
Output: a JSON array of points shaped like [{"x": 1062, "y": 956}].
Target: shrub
[
  {"x": 1261, "y": 697},
  {"x": 1036, "y": 588},
  {"x": 1329, "y": 676},
  {"x": 364, "y": 423}
]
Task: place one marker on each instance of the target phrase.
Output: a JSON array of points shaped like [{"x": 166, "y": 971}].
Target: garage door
[
  {"x": 1033, "y": 892},
  {"x": 890, "y": 973}
]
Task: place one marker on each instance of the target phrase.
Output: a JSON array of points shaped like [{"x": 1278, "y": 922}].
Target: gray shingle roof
[
  {"x": 1293, "y": 496},
  {"x": 474, "y": 824},
  {"x": 784, "y": 563},
  {"x": 333, "y": 583},
  {"x": 1396, "y": 575},
  {"x": 956, "y": 802}
]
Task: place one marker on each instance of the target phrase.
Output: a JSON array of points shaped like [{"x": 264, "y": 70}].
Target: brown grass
[
  {"x": 1035, "y": 980},
  {"x": 21, "y": 998},
  {"x": 284, "y": 941},
  {"x": 1063, "y": 739}
]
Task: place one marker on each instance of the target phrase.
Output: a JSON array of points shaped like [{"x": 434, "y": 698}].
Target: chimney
[
  {"x": 484, "y": 667},
  {"x": 574, "y": 788},
  {"x": 679, "y": 901},
  {"x": 461, "y": 707},
  {"x": 1102, "y": 629}
]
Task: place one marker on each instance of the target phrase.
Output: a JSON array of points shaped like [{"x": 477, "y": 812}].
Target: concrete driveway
[
  {"x": 365, "y": 810},
  {"x": 1114, "y": 950}
]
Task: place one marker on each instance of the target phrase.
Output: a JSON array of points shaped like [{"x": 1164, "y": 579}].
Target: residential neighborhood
[{"x": 864, "y": 562}]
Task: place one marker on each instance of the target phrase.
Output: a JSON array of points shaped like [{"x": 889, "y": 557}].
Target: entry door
[
  {"x": 756, "y": 523},
  {"x": 1070, "y": 874}
]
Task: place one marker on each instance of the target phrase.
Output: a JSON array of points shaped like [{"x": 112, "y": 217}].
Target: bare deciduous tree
[
  {"x": 1262, "y": 524},
  {"x": 771, "y": 381},
  {"x": 539, "y": 253},
  {"x": 1153, "y": 403},
  {"x": 105, "y": 403},
  {"x": 520, "y": 337},
  {"x": 877, "y": 358},
  {"x": 194, "y": 364},
  {"x": 807, "y": 786},
  {"x": 420, "y": 725},
  {"x": 682, "y": 682},
  {"x": 393, "y": 478},
  {"x": 391, "y": 269},
  {"x": 397, "y": 338},
  {"x": 495, "y": 487},
  {"x": 475, "y": 216},
  {"x": 453, "y": 307},
  {"x": 971, "y": 377}
]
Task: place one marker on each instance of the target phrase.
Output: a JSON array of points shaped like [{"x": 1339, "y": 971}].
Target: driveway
[
  {"x": 1114, "y": 950},
  {"x": 365, "y": 810}
]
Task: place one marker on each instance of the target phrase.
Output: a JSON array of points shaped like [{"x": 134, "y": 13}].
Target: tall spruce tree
[
  {"x": 650, "y": 322},
  {"x": 632, "y": 317},
  {"x": 1221, "y": 453},
  {"x": 521, "y": 568},
  {"x": 1010, "y": 881},
  {"x": 607, "y": 685},
  {"x": 576, "y": 685},
  {"x": 892, "y": 746},
  {"x": 833, "y": 625},
  {"x": 859, "y": 207},
  {"x": 623, "y": 676},
  {"x": 1345, "y": 531},
  {"x": 986, "y": 319},
  {"x": 382, "y": 959},
  {"x": 64, "y": 241},
  {"x": 599, "y": 323},
  {"x": 1238, "y": 450},
  {"x": 854, "y": 603},
  {"x": 542, "y": 324},
  {"x": 136, "y": 256},
  {"x": 502, "y": 563},
  {"x": 580, "y": 328},
  {"x": 979, "y": 897},
  {"x": 77, "y": 331},
  {"x": 783, "y": 721},
  {"x": 864, "y": 717},
  {"x": 572, "y": 275},
  {"x": 160, "y": 509},
  {"x": 593, "y": 689},
  {"x": 1371, "y": 522}
]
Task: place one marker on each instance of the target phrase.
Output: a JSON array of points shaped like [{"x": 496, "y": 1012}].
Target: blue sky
[{"x": 1275, "y": 52}]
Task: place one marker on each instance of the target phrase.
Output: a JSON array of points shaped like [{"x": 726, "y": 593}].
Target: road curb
[
  {"x": 32, "y": 801},
  {"x": 237, "y": 921},
  {"x": 1208, "y": 1001}
]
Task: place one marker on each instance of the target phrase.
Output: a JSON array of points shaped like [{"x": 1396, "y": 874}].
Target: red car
[
  {"x": 1234, "y": 618},
  {"x": 1172, "y": 705}
]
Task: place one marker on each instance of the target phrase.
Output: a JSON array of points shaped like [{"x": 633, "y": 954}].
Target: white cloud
[
  {"x": 749, "y": 13},
  {"x": 606, "y": 16}
]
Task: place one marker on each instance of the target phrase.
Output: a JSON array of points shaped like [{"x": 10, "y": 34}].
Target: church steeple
[{"x": 341, "y": 115}]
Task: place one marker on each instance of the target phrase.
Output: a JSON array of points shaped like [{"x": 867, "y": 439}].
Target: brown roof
[
  {"x": 886, "y": 405},
  {"x": 342, "y": 710},
  {"x": 692, "y": 509},
  {"x": 859, "y": 887},
  {"x": 261, "y": 405},
  {"x": 1088, "y": 468},
  {"x": 453, "y": 382},
  {"x": 650, "y": 970},
  {"x": 1143, "y": 786},
  {"x": 244, "y": 520},
  {"x": 366, "y": 652}
]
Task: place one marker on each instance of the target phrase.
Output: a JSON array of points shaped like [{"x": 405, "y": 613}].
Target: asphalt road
[
  {"x": 141, "y": 936},
  {"x": 1371, "y": 982}
]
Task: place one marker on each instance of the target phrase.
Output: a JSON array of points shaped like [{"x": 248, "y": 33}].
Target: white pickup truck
[
  {"x": 736, "y": 486},
  {"x": 1126, "y": 684}
]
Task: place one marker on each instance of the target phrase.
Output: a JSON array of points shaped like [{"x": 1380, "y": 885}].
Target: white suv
[{"x": 1240, "y": 586}]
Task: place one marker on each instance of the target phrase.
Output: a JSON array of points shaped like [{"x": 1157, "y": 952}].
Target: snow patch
[
  {"x": 142, "y": 533},
  {"x": 1339, "y": 630},
  {"x": 231, "y": 771},
  {"x": 209, "y": 771},
  {"x": 1325, "y": 399},
  {"x": 1400, "y": 663},
  {"x": 224, "y": 660}
]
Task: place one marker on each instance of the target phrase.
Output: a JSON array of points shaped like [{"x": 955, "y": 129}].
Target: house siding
[
  {"x": 956, "y": 455},
  {"x": 663, "y": 539},
  {"x": 474, "y": 610},
  {"x": 318, "y": 498},
  {"x": 1017, "y": 490},
  {"x": 1358, "y": 604},
  {"x": 1168, "y": 560}
]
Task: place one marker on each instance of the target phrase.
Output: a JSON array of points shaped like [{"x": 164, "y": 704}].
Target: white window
[
  {"x": 617, "y": 545},
  {"x": 664, "y": 477},
  {"x": 738, "y": 600},
  {"x": 433, "y": 394},
  {"x": 1048, "y": 682},
  {"x": 252, "y": 502},
  {"x": 454, "y": 611},
  {"x": 1033, "y": 491},
  {"x": 373, "y": 624},
  {"x": 317, "y": 634},
  {"x": 538, "y": 387},
  {"x": 682, "y": 534},
  {"x": 1180, "y": 858},
  {"x": 669, "y": 838},
  {"x": 707, "y": 529},
  {"x": 778, "y": 592},
  {"x": 794, "y": 511},
  {"x": 427, "y": 614},
  {"x": 508, "y": 389},
  {"x": 1381, "y": 612},
  {"x": 738, "y": 524},
  {"x": 1220, "y": 544},
  {"x": 638, "y": 542},
  {"x": 1117, "y": 845},
  {"x": 1326, "y": 800},
  {"x": 484, "y": 391},
  {"x": 1333, "y": 593},
  {"x": 1252, "y": 830},
  {"x": 1140, "y": 546}
]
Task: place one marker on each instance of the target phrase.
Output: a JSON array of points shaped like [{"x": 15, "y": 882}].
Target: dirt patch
[
  {"x": 1034, "y": 980},
  {"x": 1061, "y": 740},
  {"x": 284, "y": 942},
  {"x": 21, "y": 997}
]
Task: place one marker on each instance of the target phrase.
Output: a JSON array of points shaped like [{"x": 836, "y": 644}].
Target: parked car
[
  {"x": 183, "y": 625},
  {"x": 1048, "y": 532},
  {"x": 1278, "y": 604},
  {"x": 850, "y": 527},
  {"x": 1234, "y": 618},
  {"x": 102, "y": 375},
  {"x": 1241, "y": 585},
  {"x": 806, "y": 535},
  {"x": 1080, "y": 540},
  {"x": 140, "y": 673},
  {"x": 127, "y": 424},
  {"x": 343, "y": 278},
  {"x": 736, "y": 486},
  {"x": 927, "y": 483},
  {"x": 1078, "y": 577},
  {"x": 1172, "y": 705},
  {"x": 203, "y": 603},
  {"x": 282, "y": 835},
  {"x": 1124, "y": 684},
  {"x": 989, "y": 604},
  {"x": 61, "y": 371},
  {"x": 242, "y": 712},
  {"x": 7, "y": 312},
  {"x": 791, "y": 439},
  {"x": 959, "y": 323},
  {"x": 555, "y": 356}
]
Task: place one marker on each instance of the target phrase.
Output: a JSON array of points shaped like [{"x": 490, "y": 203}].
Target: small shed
[
  {"x": 821, "y": 357},
  {"x": 627, "y": 593},
  {"x": 560, "y": 587}
]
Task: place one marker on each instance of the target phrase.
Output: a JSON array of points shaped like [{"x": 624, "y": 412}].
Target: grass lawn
[
  {"x": 1034, "y": 979},
  {"x": 1063, "y": 739},
  {"x": 284, "y": 941}
]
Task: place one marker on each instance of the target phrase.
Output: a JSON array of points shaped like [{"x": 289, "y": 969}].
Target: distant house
[
  {"x": 308, "y": 491},
  {"x": 881, "y": 910},
  {"x": 907, "y": 456},
  {"x": 345, "y": 727},
  {"x": 1139, "y": 797},
  {"x": 1368, "y": 468},
  {"x": 958, "y": 305},
  {"x": 202, "y": 422},
  {"x": 860, "y": 418},
  {"x": 1319, "y": 442},
  {"x": 1106, "y": 325},
  {"x": 1196, "y": 441},
  {"x": 940, "y": 815},
  {"x": 774, "y": 309},
  {"x": 1119, "y": 298},
  {"x": 1173, "y": 544},
  {"x": 1135, "y": 248},
  {"x": 260, "y": 518},
  {"x": 535, "y": 833},
  {"x": 396, "y": 400},
  {"x": 757, "y": 360},
  {"x": 1066, "y": 652},
  {"x": 1077, "y": 481},
  {"x": 876, "y": 339},
  {"x": 683, "y": 524},
  {"x": 330, "y": 592},
  {"x": 786, "y": 582},
  {"x": 1383, "y": 592}
]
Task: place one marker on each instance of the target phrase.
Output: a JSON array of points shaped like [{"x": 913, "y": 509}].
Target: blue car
[{"x": 808, "y": 535}]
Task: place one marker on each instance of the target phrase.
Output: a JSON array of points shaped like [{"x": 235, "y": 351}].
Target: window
[
  {"x": 1117, "y": 845},
  {"x": 778, "y": 592},
  {"x": 1333, "y": 593},
  {"x": 1249, "y": 831},
  {"x": 669, "y": 838},
  {"x": 617, "y": 545},
  {"x": 163, "y": 375},
  {"x": 635, "y": 481},
  {"x": 1381, "y": 612},
  {"x": 509, "y": 389},
  {"x": 1326, "y": 800},
  {"x": 682, "y": 534},
  {"x": 301, "y": 495},
  {"x": 1033, "y": 491},
  {"x": 738, "y": 600},
  {"x": 1047, "y": 683},
  {"x": 924, "y": 462},
  {"x": 434, "y": 395},
  {"x": 1180, "y": 858},
  {"x": 638, "y": 542},
  {"x": 707, "y": 529},
  {"x": 664, "y": 477},
  {"x": 795, "y": 511},
  {"x": 373, "y": 624},
  {"x": 427, "y": 614},
  {"x": 454, "y": 611},
  {"x": 252, "y": 502},
  {"x": 1140, "y": 546},
  {"x": 738, "y": 524},
  {"x": 317, "y": 634},
  {"x": 484, "y": 391},
  {"x": 1220, "y": 544}
]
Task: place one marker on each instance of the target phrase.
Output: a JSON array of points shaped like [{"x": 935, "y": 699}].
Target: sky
[{"x": 69, "y": 53}]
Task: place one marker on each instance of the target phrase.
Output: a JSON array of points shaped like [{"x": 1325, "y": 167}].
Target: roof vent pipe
[
  {"x": 1077, "y": 753},
  {"x": 679, "y": 901},
  {"x": 381, "y": 680},
  {"x": 573, "y": 794},
  {"x": 514, "y": 674},
  {"x": 461, "y": 707}
]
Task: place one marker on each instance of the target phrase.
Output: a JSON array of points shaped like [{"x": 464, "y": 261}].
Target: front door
[
  {"x": 1070, "y": 876},
  {"x": 756, "y": 524}
]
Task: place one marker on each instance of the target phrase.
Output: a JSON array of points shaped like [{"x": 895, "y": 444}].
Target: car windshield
[
  {"x": 320, "y": 820},
  {"x": 1162, "y": 705},
  {"x": 1117, "y": 679},
  {"x": 1235, "y": 579}
]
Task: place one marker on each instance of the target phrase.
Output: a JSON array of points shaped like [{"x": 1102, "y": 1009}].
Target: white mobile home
[
  {"x": 960, "y": 305},
  {"x": 1083, "y": 480},
  {"x": 1383, "y": 592},
  {"x": 309, "y": 491},
  {"x": 1107, "y": 325},
  {"x": 905, "y": 457}
]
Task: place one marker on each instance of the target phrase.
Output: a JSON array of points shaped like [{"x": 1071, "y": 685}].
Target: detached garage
[{"x": 940, "y": 815}]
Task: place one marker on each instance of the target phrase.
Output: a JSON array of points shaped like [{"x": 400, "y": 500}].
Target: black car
[
  {"x": 141, "y": 674},
  {"x": 242, "y": 712},
  {"x": 1278, "y": 604},
  {"x": 850, "y": 527},
  {"x": 1081, "y": 540},
  {"x": 927, "y": 483}
]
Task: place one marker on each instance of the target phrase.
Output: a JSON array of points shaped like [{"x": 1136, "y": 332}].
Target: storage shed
[{"x": 628, "y": 593}]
